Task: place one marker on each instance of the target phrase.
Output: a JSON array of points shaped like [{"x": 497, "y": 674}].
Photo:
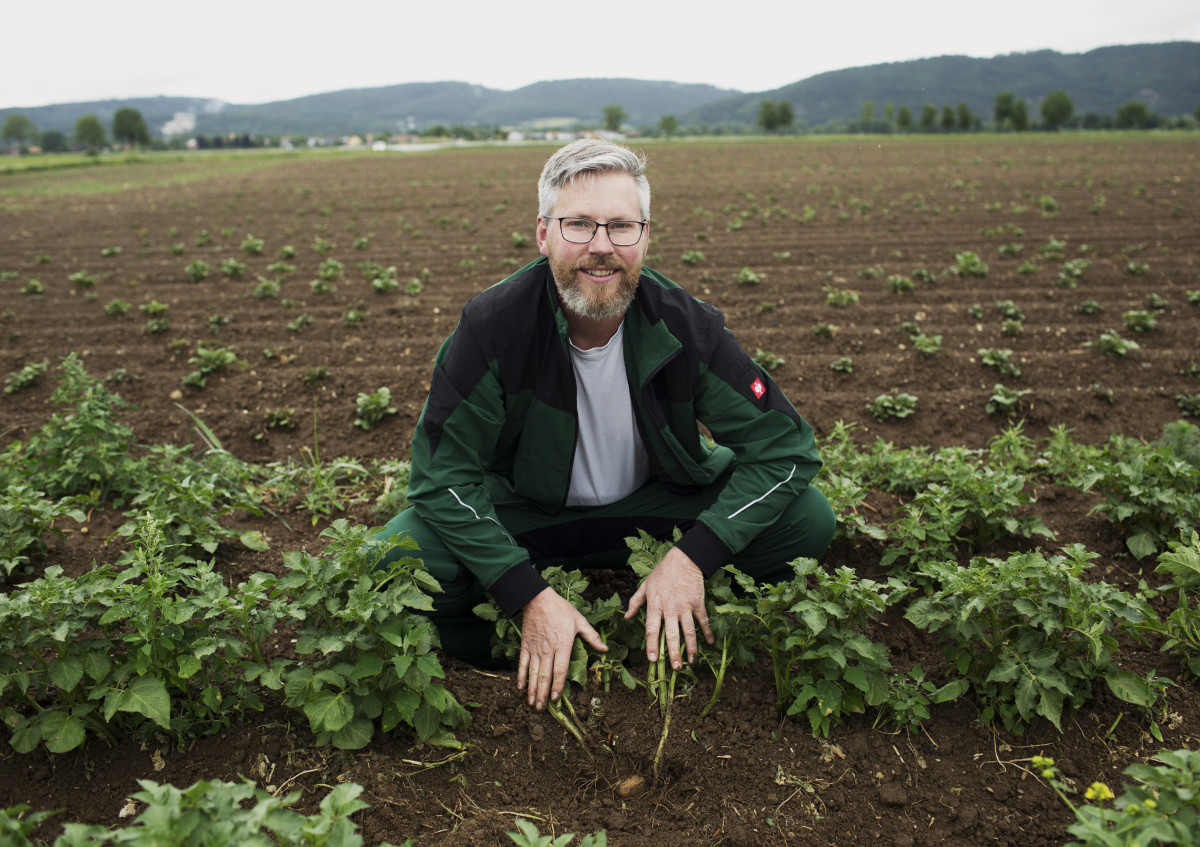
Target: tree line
[
  {"x": 1009, "y": 114},
  {"x": 128, "y": 129}
]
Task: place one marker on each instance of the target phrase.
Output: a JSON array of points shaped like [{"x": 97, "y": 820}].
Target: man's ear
[{"x": 542, "y": 234}]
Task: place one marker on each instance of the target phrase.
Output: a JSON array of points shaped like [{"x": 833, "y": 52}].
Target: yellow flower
[{"x": 1098, "y": 791}]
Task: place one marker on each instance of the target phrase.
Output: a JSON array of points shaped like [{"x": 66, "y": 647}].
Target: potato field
[{"x": 213, "y": 368}]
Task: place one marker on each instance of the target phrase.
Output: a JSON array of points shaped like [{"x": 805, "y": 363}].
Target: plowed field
[{"x": 1112, "y": 221}]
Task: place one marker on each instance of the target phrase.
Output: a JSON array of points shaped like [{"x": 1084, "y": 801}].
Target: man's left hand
[{"x": 673, "y": 594}]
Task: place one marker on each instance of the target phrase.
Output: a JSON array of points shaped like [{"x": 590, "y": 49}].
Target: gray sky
[{"x": 250, "y": 51}]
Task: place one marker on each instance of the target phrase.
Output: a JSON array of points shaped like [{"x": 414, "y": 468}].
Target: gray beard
[{"x": 573, "y": 299}]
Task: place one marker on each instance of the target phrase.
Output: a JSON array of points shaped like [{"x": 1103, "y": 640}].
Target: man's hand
[
  {"x": 549, "y": 625},
  {"x": 673, "y": 594}
]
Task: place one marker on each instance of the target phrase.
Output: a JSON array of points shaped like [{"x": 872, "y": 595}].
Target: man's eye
[
  {"x": 620, "y": 226},
  {"x": 580, "y": 224}
]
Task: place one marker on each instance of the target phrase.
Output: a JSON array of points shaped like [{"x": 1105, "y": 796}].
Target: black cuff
[
  {"x": 704, "y": 548},
  {"x": 517, "y": 586}
]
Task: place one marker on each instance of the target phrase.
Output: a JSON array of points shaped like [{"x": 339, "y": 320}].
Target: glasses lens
[
  {"x": 578, "y": 230},
  {"x": 624, "y": 233}
]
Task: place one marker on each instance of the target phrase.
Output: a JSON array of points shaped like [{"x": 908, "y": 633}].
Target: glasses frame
[{"x": 562, "y": 232}]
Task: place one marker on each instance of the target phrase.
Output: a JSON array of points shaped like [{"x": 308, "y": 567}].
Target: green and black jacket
[{"x": 499, "y": 424}]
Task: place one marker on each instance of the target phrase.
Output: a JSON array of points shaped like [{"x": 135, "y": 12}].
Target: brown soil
[{"x": 739, "y": 777}]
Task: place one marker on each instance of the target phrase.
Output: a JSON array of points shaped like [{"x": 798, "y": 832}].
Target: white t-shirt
[{"x": 610, "y": 459}]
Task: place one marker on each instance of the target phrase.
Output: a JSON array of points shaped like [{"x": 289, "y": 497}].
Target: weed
[{"x": 373, "y": 407}]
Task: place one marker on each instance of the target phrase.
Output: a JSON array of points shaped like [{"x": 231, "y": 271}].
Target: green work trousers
[{"x": 594, "y": 537}]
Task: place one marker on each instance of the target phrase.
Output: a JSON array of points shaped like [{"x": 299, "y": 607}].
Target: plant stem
[
  {"x": 720, "y": 678},
  {"x": 662, "y": 740}
]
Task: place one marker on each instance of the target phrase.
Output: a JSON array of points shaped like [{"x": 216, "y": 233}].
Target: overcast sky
[{"x": 250, "y": 51}]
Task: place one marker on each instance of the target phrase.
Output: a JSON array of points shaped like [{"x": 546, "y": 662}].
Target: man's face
[{"x": 596, "y": 280}]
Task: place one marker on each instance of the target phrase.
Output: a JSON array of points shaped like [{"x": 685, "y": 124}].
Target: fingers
[{"x": 635, "y": 602}]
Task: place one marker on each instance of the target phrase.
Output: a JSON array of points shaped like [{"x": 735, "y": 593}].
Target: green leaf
[
  {"x": 61, "y": 731},
  {"x": 253, "y": 539},
  {"x": 189, "y": 666},
  {"x": 368, "y": 667},
  {"x": 1050, "y": 706},
  {"x": 1130, "y": 687},
  {"x": 66, "y": 672},
  {"x": 1141, "y": 545},
  {"x": 147, "y": 695},
  {"x": 950, "y": 691},
  {"x": 97, "y": 665},
  {"x": 328, "y": 711},
  {"x": 355, "y": 735}
]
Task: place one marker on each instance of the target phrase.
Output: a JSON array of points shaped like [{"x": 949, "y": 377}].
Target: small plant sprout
[
  {"x": 373, "y": 408},
  {"x": 888, "y": 406},
  {"x": 82, "y": 280},
  {"x": 232, "y": 268},
  {"x": 691, "y": 258},
  {"x": 1102, "y": 392},
  {"x": 1139, "y": 320},
  {"x": 1156, "y": 302},
  {"x": 116, "y": 307},
  {"x": 768, "y": 360},
  {"x": 1090, "y": 307},
  {"x": 33, "y": 287},
  {"x": 252, "y": 246},
  {"x": 968, "y": 263},
  {"x": 314, "y": 376},
  {"x": 1189, "y": 404},
  {"x": 1136, "y": 268},
  {"x": 747, "y": 276},
  {"x": 824, "y": 330},
  {"x": 1005, "y": 400},
  {"x": 197, "y": 270},
  {"x": 266, "y": 288},
  {"x": 843, "y": 364},
  {"x": 27, "y": 376},
  {"x": 839, "y": 297},
  {"x": 900, "y": 284},
  {"x": 520, "y": 239},
  {"x": 1111, "y": 343},
  {"x": 1001, "y": 359},
  {"x": 927, "y": 345}
]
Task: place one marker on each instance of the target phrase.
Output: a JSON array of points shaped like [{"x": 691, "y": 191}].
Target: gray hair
[{"x": 586, "y": 158}]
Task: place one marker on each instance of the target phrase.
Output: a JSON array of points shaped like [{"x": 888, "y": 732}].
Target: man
[{"x": 562, "y": 416}]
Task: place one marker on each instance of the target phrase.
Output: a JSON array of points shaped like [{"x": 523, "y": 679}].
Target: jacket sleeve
[
  {"x": 454, "y": 443},
  {"x": 774, "y": 448}
]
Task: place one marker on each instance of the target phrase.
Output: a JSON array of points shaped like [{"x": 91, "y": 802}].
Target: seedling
[
  {"x": 1139, "y": 320},
  {"x": 968, "y": 263},
  {"x": 899, "y": 284},
  {"x": 313, "y": 376},
  {"x": 1005, "y": 400},
  {"x": 232, "y": 268},
  {"x": 824, "y": 330},
  {"x": 1000, "y": 359},
  {"x": 747, "y": 276},
  {"x": 82, "y": 280},
  {"x": 114, "y": 308},
  {"x": 373, "y": 407},
  {"x": 691, "y": 257},
  {"x": 843, "y": 364},
  {"x": 33, "y": 287},
  {"x": 927, "y": 345},
  {"x": 266, "y": 288},
  {"x": 26, "y": 377},
  {"x": 839, "y": 297},
  {"x": 888, "y": 406},
  {"x": 1112, "y": 344},
  {"x": 768, "y": 360},
  {"x": 1136, "y": 268},
  {"x": 1090, "y": 307},
  {"x": 197, "y": 270},
  {"x": 252, "y": 246}
]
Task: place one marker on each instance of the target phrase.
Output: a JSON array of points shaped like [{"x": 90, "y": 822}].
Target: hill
[{"x": 1163, "y": 76}]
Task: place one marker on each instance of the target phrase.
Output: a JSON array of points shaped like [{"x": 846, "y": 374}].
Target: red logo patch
[{"x": 758, "y": 388}]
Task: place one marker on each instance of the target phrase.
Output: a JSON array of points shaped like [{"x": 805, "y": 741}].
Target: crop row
[{"x": 155, "y": 642}]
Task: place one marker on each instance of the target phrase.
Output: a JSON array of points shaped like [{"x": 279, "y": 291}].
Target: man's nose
[{"x": 600, "y": 241}]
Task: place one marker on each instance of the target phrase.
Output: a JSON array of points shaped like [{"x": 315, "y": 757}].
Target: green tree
[
  {"x": 787, "y": 116},
  {"x": 965, "y": 118},
  {"x": 53, "y": 141},
  {"x": 1057, "y": 109},
  {"x": 1002, "y": 114},
  {"x": 868, "y": 116},
  {"x": 1020, "y": 115},
  {"x": 928, "y": 117},
  {"x": 613, "y": 115},
  {"x": 889, "y": 116},
  {"x": 90, "y": 132},
  {"x": 668, "y": 125},
  {"x": 948, "y": 118},
  {"x": 129, "y": 127},
  {"x": 904, "y": 119},
  {"x": 768, "y": 115},
  {"x": 1133, "y": 115},
  {"x": 18, "y": 129}
]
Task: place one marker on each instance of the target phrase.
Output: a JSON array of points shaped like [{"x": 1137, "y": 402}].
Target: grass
[{"x": 59, "y": 175}]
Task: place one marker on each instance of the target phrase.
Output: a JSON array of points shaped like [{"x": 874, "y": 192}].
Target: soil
[{"x": 803, "y": 214}]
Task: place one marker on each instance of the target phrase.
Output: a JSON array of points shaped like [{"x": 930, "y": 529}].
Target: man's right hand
[{"x": 549, "y": 625}]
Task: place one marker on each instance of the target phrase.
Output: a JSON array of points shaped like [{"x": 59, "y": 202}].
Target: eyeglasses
[{"x": 583, "y": 230}]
